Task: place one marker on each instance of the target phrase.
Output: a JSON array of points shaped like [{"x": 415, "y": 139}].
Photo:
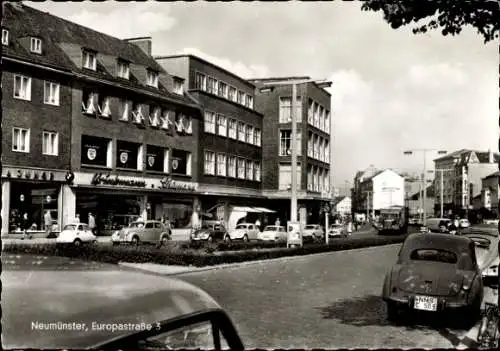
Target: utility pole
[
  {"x": 441, "y": 187},
  {"x": 424, "y": 176},
  {"x": 368, "y": 192}
]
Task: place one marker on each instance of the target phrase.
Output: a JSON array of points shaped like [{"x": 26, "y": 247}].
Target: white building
[
  {"x": 380, "y": 189},
  {"x": 343, "y": 205}
]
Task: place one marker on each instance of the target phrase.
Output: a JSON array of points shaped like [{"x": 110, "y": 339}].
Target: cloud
[
  {"x": 132, "y": 20},
  {"x": 428, "y": 106},
  {"x": 238, "y": 68}
]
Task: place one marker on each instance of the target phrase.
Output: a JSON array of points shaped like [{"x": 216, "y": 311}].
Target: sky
[{"x": 391, "y": 90}]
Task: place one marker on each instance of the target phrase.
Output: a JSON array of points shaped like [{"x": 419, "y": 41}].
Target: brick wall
[{"x": 36, "y": 116}]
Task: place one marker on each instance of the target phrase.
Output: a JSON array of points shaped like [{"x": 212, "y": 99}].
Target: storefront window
[
  {"x": 31, "y": 201},
  {"x": 155, "y": 157},
  {"x": 177, "y": 213},
  {"x": 126, "y": 154},
  {"x": 112, "y": 212},
  {"x": 95, "y": 151},
  {"x": 180, "y": 162}
]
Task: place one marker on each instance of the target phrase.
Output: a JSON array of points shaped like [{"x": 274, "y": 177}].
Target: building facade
[
  {"x": 342, "y": 206},
  {"x": 490, "y": 193},
  {"x": 120, "y": 141},
  {"x": 377, "y": 189},
  {"x": 462, "y": 172},
  {"x": 230, "y": 140},
  {"x": 274, "y": 101}
]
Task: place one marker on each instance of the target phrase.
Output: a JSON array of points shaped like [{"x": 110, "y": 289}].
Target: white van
[{"x": 438, "y": 225}]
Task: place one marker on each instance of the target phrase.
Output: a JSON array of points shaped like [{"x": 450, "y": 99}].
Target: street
[{"x": 322, "y": 301}]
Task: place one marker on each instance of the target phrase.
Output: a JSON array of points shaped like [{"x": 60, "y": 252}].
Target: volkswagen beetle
[{"x": 435, "y": 273}]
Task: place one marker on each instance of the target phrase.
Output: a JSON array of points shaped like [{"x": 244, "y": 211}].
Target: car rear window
[{"x": 434, "y": 255}]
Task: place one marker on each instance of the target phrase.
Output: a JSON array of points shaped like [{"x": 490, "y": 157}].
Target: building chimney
[
  {"x": 491, "y": 159},
  {"x": 144, "y": 43}
]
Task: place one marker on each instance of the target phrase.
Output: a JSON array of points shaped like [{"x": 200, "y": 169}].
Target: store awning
[
  {"x": 252, "y": 209},
  {"x": 262, "y": 209}
]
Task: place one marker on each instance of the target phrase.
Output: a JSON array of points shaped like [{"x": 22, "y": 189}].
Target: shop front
[
  {"x": 27, "y": 195},
  {"x": 232, "y": 205},
  {"x": 116, "y": 200}
]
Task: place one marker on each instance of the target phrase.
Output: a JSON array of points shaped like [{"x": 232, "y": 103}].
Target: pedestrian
[
  {"x": 257, "y": 223},
  {"x": 277, "y": 222},
  {"x": 77, "y": 218},
  {"x": 48, "y": 223},
  {"x": 25, "y": 226},
  {"x": 92, "y": 223},
  {"x": 349, "y": 227}
]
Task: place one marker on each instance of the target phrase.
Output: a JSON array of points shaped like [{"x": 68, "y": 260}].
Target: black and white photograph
[{"x": 250, "y": 175}]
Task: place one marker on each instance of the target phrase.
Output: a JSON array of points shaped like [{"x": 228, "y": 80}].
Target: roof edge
[{"x": 192, "y": 56}]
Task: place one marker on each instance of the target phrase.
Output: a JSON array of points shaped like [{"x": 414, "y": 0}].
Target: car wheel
[
  {"x": 473, "y": 312},
  {"x": 135, "y": 240},
  {"x": 392, "y": 312},
  {"x": 164, "y": 240},
  {"x": 77, "y": 242}
]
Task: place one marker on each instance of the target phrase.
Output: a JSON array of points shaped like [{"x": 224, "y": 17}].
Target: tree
[{"x": 448, "y": 15}]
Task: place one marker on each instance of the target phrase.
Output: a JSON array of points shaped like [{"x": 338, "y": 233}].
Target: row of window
[
  {"x": 94, "y": 103},
  {"x": 318, "y": 116},
  {"x": 222, "y": 89},
  {"x": 318, "y": 179},
  {"x": 97, "y": 151},
  {"x": 224, "y": 165},
  {"x": 89, "y": 61},
  {"x": 229, "y": 127},
  {"x": 318, "y": 147},
  {"x": 22, "y": 90},
  {"x": 21, "y": 141}
]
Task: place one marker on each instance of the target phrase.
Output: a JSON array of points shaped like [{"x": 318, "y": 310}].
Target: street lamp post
[
  {"x": 424, "y": 177},
  {"x": 294, "y": 83}
]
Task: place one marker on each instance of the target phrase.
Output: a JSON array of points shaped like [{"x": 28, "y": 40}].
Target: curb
[{"x": 189, "y": 269}]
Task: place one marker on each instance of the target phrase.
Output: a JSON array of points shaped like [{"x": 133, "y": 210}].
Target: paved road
[{"x": 321, "y": 301}]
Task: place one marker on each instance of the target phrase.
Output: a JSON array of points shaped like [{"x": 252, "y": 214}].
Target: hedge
[{"x": 172, "y": 255}]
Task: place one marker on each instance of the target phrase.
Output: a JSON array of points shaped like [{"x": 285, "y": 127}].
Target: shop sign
[
  {"x": 170, "y": 184},
  {"x": 32, "y": 174},
  {"x": 108, "y": 179}
]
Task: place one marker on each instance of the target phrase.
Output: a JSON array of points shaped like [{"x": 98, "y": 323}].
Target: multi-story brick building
[
  {"x": 101, "y": 127},
  {"x": 462, "y": 174},
  {"x": 313, "y": 144},
  {"x": 230, "y": 139}
]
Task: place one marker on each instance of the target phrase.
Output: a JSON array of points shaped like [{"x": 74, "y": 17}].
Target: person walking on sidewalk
[
  {"x": 25, "y": 226},
  {"x": 92, "y": 223},
  {"x": 47, "y": 218}
]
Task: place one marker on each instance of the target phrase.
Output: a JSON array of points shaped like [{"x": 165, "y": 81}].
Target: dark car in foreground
[
  {"x": 435, "y": 273},
  {"x": 61, "y": 303}
]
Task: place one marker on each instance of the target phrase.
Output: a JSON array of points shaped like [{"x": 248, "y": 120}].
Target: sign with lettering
[
  {"x": 108, "y": 179},
  {"x": 33, "y": 174},
  {"x": 169, "y": 183}
]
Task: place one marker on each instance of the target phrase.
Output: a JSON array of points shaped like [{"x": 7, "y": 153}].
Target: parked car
[
  {"x": 100, "y": 306},
  {"x": 337, "y": 231},
  {"x": 435, "y": 273},
  {"x": 273, "y": 233},
  {"x": 209, "y": 232},
  {"x": 438, "y": 225},
  {"x": 312, "y": 232},
  {"x": 149, "y": 231},
  {"x": 243, "y": 231},
  {"x": 464, "y": 223},
  {"x": 76, "y": 234}
]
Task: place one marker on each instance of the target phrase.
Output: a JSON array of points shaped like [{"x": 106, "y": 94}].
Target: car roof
[
  {"x": 435, "y": 241},
  {"x": 52, "y": 289}
]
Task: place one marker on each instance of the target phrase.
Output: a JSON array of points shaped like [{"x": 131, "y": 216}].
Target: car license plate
[{"x": 425, "y": 303}]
